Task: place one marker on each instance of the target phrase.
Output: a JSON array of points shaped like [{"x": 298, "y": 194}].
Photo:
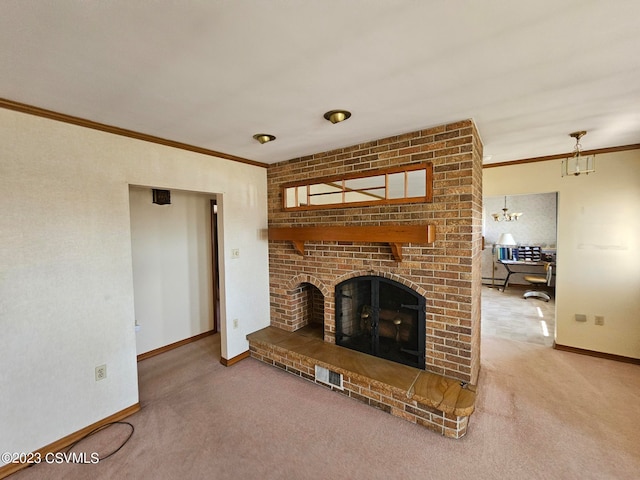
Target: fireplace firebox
[{"x": 381, "y": 317}]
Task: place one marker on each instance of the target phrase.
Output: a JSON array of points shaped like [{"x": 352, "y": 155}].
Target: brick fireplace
[
  {"x": 446, "y": 273},
  {"x": 319, "y": 254}
]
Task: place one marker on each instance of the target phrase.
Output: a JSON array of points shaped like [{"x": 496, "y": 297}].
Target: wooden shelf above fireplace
[{"x": 395, "y": 235}]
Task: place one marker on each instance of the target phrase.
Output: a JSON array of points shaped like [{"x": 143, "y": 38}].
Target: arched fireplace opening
[
  {"x": 309, "y": 310},
  {"x": 381, "y": 317}
]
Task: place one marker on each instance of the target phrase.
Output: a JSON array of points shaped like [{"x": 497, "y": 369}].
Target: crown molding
[
  {"x": 83, "y": 122},
  {"x": 597, "y": 151}
]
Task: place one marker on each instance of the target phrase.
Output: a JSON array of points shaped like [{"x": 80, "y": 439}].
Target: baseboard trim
[
  {"x": 593, "y": 353},
  {"x": 166, "y": 348},
  {"x": 64, "y": 442},
  {"x": 236, "y": 359}
]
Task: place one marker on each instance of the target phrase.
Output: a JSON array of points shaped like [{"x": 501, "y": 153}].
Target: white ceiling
[{"x": 213, "y": 73}]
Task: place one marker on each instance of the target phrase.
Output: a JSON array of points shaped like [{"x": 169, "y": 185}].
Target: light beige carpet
[{"x": 541, "y": 414}]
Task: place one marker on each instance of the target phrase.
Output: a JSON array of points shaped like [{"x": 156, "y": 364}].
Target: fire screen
[{"x": 381, "y": 317}]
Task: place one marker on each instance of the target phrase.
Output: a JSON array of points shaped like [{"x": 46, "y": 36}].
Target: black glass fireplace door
[{"x": 381, "y": 317}]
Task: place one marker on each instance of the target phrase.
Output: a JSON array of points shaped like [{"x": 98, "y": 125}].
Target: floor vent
[{"x": 329, "y": 377}]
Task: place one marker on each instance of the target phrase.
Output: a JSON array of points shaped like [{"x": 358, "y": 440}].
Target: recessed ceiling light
[
  {"x": 336, "y": 116},
  {"x": 264, "y": 137}
]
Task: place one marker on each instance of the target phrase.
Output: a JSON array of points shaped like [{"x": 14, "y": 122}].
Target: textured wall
[
  {"x": 65, "y": 256},
  {"x": 537, "y": 225}
]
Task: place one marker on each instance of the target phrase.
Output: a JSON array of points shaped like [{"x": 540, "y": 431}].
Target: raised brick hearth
[
  {"x": 447, "y": 273},
  {"x": 440, "y": 404}
]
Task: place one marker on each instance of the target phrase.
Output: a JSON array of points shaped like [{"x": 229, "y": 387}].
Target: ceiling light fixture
[
  {"x": 577, "y": 164},
  {"x": 505, "y": 215},
  {"x": 264, "y": 137},
  {"x": 337, "y": 116}
]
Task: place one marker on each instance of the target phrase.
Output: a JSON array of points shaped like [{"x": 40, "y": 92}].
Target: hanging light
[
  {"x": 577, "y": 164},
  {"x": 505, "y": 215}
]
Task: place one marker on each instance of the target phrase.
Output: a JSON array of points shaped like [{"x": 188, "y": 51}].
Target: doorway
[
  {"x": 215, "y": 265},
  {"x": 174, "y": 268},
  {"x": 505, "y": 313}
]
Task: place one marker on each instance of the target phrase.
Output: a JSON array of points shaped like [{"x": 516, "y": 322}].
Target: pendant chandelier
[
  {"x": 505, "y": 215},
  {"x": 578, "y": 163}
]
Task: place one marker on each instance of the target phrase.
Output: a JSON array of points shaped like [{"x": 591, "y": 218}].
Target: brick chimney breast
[{"x": 447, "y": 272}]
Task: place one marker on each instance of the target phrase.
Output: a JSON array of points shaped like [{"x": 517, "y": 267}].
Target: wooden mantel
[{"x": 394, "y": 235}]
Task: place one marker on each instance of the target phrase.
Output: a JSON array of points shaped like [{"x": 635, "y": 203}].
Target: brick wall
[
  {"x": 384, "y": 397},
  {"x": 447, "y": 273}
]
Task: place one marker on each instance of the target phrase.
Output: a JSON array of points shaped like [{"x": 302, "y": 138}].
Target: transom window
[{"x": 411, "y": 183}]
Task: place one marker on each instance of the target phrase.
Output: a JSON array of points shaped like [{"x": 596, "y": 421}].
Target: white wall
[
  {"x": 598, "y": 265},
  {"x": 172, "y": 267},
  {"x": 66, "y": 286}
]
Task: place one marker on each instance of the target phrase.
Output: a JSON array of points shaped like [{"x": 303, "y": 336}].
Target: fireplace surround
[
  {"x": 446, "y": 273},
  {"x": 314, "y": 252}
]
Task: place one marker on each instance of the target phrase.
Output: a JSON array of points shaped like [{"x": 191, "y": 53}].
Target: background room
[{"x": 537, "y": 226}]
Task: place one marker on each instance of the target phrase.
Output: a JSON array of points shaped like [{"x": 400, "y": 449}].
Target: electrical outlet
[
  {"x": 235, "y": 253},
  {"x": 101, "y": 372},
  {"x": 599, "y": 320},
  {"x": 235, "y": 323}
]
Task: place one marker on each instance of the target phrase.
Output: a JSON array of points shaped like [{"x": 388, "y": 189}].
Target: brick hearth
[{"x": 440, "y": 404}]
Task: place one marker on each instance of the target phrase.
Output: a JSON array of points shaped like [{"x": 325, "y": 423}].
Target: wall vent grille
[{"x": 329, "y": 377}]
